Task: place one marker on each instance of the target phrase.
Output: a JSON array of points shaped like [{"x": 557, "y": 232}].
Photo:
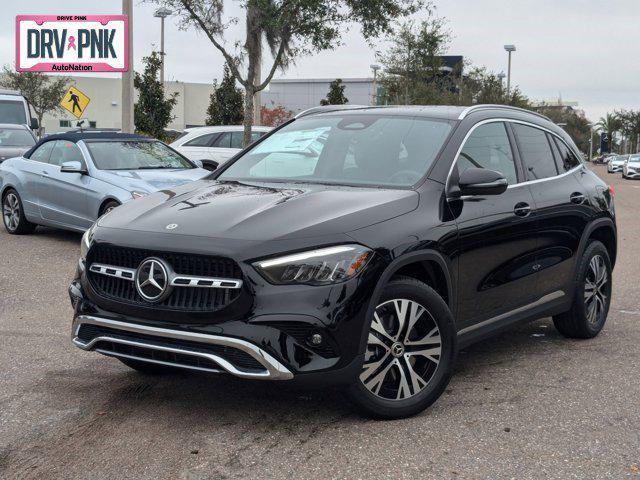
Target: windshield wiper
[{"x": 154, "y": 167}]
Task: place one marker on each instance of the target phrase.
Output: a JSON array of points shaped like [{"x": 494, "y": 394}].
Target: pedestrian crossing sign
[{"x": 75, "y": 102}]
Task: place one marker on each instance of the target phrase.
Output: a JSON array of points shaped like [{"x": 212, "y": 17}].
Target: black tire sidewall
[
  {"x": 593, "y": 249},
  {"x": 378, "y": 407},
  {"x": 24, "y": 225}
]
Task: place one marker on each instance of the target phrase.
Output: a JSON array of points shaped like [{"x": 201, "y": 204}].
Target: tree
[
  {"x": 630, "y": 126},
  {"x": 43, "y": 92},
  {"x": 225, "y": 103},
  {"x": 335, "y": 96},
  {"x": 574, "y": 123},
  {"x": 273, "y": 117},
  {"x": 152, "y": 111},
  {"x": 289, "y": 28}
]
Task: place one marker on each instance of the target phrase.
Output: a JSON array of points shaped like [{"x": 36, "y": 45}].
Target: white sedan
[{"x": 214, "y": 145}]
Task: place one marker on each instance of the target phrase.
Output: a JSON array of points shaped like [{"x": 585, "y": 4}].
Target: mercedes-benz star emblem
[
  {"x": 152, "y": 280},
  {"x": 171, "y": 226}
]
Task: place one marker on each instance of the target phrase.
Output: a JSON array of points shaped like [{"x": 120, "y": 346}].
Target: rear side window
[
  {"x": 535, "y": 152},
  {"x": 202, "y": 140},
  {"x": 567, "y": 159},
  {"x": 488, "y": 147},
  {"x": 65, "y": 151}
]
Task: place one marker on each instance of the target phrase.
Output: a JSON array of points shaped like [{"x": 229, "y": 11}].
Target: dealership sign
[{"x": 71, "y": 43}]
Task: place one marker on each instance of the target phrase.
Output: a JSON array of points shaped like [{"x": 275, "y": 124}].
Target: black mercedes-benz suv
[{"x": 356, "y": 246}]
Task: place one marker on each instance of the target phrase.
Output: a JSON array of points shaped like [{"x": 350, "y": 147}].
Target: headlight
[
  {"x": 87, "y": 240},
  {"x": 136, "y": 194},
  {"x": 323, "y": 266}
]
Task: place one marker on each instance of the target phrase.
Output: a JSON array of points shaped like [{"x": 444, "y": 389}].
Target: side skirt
[{"x": 551, "y": 304}]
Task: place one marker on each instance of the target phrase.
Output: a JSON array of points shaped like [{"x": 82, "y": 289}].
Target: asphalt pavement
[{"x": 526, "y": 404}]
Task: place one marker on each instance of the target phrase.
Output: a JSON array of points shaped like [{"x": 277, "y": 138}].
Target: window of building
[
  {"x": 65, "y": 123},
  {"x": 535, "y": 152},
  {"x": 489, "y": 147}
]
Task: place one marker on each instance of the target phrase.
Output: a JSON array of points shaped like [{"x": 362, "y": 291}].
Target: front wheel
[
  {"x": 410, "y": 352},
  {"x": 592, "y": 295},
  {"x": 13, "y": 214}
]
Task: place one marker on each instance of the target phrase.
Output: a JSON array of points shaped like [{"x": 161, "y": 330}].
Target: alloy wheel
[
  {"x": 596, "y": 290},
  {"x": 403, "y": 350},
  {"x": 11, "y": 211}
]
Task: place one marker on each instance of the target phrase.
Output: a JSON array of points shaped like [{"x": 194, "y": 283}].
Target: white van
[{"x": 14, "y": 109}]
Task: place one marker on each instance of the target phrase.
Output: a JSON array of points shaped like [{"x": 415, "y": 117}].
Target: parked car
[
  {"x": 616, "y": 163},
  {"x": 631, "y": 168},
  {"x": 15, "y": 140},
  {"x": 68, "y": 180},
  {"x": 15, "y": 110},
  {"x": 214, "y": 145},
  {"x": 603, "y": 159},
  {"x": 412, "y": 232}
]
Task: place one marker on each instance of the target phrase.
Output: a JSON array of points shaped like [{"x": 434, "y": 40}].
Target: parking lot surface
[{"x": 526, "y": 404}]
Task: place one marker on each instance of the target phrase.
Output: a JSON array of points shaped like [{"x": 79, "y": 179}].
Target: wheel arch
[
  {"x": 104, "y": 203},
  {"x": 603, "y": 230}
]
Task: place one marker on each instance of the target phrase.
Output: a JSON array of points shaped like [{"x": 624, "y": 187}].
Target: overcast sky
[{"x": 584, "y": 50}]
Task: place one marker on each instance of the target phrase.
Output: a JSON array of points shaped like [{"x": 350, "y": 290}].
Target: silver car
[
  {"x": 15, "y": 140},
  {"x": 631, "y": 167},
  {"x": 616, "y": 163},
  {"x": 69, "y": 180}
]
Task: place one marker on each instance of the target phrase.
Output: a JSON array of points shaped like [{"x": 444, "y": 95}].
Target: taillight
[{"x": 613, "y": 194}]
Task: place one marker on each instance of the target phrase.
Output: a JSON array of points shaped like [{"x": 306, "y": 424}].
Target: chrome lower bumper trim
[{"x": 274, "y": 370}]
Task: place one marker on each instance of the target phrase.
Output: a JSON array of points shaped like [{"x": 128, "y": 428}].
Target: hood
[
  {"x": 151, "y": 180},
  {"x": 10, "y": 152},
  {"x": 252, "y": 211}
]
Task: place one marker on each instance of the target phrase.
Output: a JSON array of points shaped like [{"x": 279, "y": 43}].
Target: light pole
[
  {"x": 501, "y": 77},
  {"x": 591, "y": 141},
  {"x": 509, "y": 49},
  {"x": 162, "y": 13},
  {"x": 374, "y": 96},
  {"x": 127, "y": 124}
]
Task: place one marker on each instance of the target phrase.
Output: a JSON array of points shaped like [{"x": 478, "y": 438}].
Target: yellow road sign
[{"x": 75, "y": 102}]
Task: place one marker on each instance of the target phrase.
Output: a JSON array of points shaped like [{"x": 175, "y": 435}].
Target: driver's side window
[{"x": 489, "y": 147}]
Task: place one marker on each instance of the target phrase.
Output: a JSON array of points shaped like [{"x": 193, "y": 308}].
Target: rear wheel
[
  {"x": 410, "y": 354},
  {"x": 592, "y": 298},
  {"x": 13, "y": 214}
]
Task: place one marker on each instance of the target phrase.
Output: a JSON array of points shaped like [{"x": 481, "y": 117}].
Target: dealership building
[{"x": 104, "y": 109}]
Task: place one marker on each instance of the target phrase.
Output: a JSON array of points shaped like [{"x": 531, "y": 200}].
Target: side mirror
[
  {"x": 210, "y": 165},
  {"x": 73, "y": 167},
  {"x": 480, "y": 181},
  {"x": 198, "y": 163},
  {"x": 34, "y": 124}
]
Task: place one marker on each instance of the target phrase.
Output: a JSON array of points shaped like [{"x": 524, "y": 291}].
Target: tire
[
  {"x": 589, "y": 310},
  {"x": 148, "y": 368},
  {"x": 13, "y": 214},
  {"x": 107, "y": 207},
  {"x": 394, "y": 347}
]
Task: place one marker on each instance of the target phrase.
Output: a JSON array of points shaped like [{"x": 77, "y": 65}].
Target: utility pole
[
  {"x": 591, "y": 142},
  {"x": 162, "y": 13},
  {"x": 510, "y": 49},
  {"x": 128, "y": 125},
  {"x": 374, "y": 95}
]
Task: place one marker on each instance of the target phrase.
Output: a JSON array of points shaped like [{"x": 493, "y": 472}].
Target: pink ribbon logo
[{"x": 72, "y": 43}]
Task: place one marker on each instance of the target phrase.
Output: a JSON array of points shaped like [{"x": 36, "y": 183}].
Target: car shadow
[{"x": 58, "y": 235}]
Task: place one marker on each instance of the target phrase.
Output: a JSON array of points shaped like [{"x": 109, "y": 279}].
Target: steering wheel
[{"x": 405, "y": 176}]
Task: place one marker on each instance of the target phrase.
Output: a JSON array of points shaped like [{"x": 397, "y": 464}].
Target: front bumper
[
  {"x": 632, "y": 173},
  {"x": 189, "y": 350},
  {"x": 614, "y": 168}
]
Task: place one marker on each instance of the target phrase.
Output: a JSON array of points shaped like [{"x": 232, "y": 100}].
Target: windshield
[
  {"x": 12, "y": 111},
  {"x": 345, "y": 149},
  {"x": 634, "y": 158},
  {"x": 14, "y": 137},
  {"x": 135, "y": 155}
]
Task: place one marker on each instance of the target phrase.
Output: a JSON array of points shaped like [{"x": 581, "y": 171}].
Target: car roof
[
  {"x": 76, "y": 137},
  {"x": 14, "y": 125}
]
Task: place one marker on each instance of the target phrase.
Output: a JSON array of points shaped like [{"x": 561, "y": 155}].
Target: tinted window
[
  {"x": 224, "y": 141},
  {"x": 202, "y": 140},
  {"x": 352, "y": 148},
  {"x": 65, "y": 151},
  {"x": 42, "y": 153},
  {"x": 236, "y": 139},
  {"x": 535, "y": 152},
  {"x": 12, "y": 111},
  {"x": 488, "y": 147},
  {"x": 567, "y": 159},
  {"x": 134, "y": 155},
  {"x": 14, "y": 137}
]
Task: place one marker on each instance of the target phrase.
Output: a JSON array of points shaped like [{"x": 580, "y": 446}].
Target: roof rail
[
  {"x": 474, "y": 108},
  {"x": 330, "y": 108},
  {"x": 10, "y": 92}
]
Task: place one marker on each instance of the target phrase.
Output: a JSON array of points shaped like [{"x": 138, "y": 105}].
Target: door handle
[
  {"x": 522, "y": 209},
  {"x": 577, "y": 197},
  {"x": 45, "y": 173}
]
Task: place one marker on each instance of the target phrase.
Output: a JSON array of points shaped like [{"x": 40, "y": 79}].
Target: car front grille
[{"x": 181, "y": 298}]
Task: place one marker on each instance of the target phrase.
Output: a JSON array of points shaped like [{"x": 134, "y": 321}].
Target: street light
[
  {"x": 374, "y": 96},
  {"x": 162, "y": 13},
  {"x": 509, "y": 49},
  {"x": 501, "y": 77}
]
